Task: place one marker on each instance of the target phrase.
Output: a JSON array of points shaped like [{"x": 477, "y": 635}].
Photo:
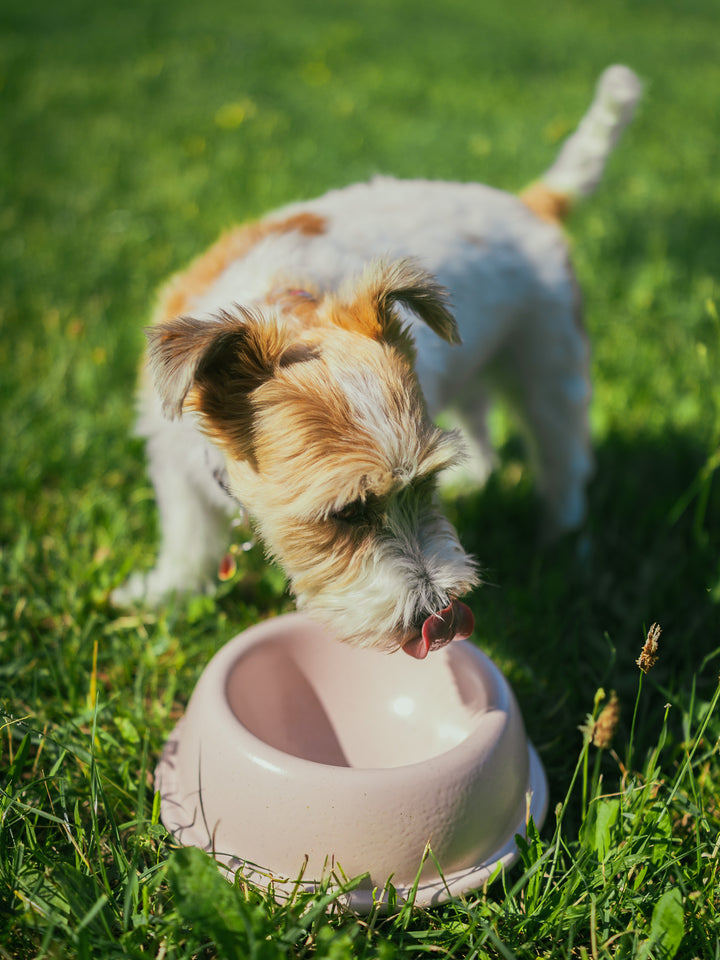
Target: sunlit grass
[{"x": 132, "y": 134}]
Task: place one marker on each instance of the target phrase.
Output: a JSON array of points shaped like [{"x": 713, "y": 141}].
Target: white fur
[{"x": 579, "y": 166}]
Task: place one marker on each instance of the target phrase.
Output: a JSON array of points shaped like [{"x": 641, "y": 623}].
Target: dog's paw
[
  {"x": 134, "y": 591},
  {"x": 153, "y": 588}
]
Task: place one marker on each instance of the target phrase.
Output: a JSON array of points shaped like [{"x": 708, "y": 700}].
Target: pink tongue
[
  {"x": 455, "y": 622},
  {"x": 418, "y": 647}
]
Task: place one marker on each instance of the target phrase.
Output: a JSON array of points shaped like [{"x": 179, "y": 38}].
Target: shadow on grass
[
  {"x": 565, "y": 620},
  {"x": 689, "y": 238}
]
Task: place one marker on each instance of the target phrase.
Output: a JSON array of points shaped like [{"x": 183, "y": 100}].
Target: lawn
[{"x": 131, "y": 134}]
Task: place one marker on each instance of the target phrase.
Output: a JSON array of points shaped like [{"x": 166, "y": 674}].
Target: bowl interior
[{"x": 309, "y": 696}]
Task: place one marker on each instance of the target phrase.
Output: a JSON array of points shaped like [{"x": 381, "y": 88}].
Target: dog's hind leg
[{"x": 544, "y": 373}]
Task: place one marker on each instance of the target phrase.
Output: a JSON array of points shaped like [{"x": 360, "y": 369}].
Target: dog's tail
[{"x": 579, "y": 166}]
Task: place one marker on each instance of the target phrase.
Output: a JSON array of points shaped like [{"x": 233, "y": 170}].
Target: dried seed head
[
  {"x": 649, "y": 654},
  {"x": 587, "y": 729},
  {"x": 606, "y": 724}
]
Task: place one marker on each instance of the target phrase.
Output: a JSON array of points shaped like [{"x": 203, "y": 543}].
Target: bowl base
[{"x": 427, "y": 892}]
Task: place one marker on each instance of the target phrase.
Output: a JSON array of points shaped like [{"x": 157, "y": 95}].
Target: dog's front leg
[{"x": 194, "y": 519}]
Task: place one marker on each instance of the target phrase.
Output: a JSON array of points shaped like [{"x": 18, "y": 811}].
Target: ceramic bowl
[{"x": 298, "y": 755}]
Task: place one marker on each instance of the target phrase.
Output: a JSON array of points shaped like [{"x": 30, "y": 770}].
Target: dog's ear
[
  {"x": 405, "y": 282},
  {"x": 213, "y": 366},
  {"x": 186, "y": 354}
]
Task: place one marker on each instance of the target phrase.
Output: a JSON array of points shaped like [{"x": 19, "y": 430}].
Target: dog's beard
[{"x": 377, "y": 587}]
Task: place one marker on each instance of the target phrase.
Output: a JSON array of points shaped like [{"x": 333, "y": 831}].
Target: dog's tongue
[{"x": 455, "y": 622}]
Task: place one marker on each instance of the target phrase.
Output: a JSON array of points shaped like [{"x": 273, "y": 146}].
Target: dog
[{"x": 295, "y": 370}]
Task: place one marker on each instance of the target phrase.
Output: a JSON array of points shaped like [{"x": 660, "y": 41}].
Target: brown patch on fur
[
  {"x": 307, "y": 223},
  {"x": 233, "y": 245},
  {"x": 297, "y": 302},
  {"x": 549, "y": 205},
  {"x": 306, "y": 427},
  {"x": 359, "y": 316},
  {"x": 291, "y": 427},
  {"x": 231, "y": 368},
  {"x": 337, "y": 554},
  {"x": 177, "y": 350},
  {"x": 369, "y": 309},
  {"x": 192, "y": 282}
]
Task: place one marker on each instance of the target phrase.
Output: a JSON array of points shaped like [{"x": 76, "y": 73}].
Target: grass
[{"x": 131, "y": 135}]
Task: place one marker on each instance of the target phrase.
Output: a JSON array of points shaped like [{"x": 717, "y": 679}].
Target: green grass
[{"x": 131, "y": 134}]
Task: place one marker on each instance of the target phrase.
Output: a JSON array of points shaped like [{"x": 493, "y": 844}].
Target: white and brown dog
[{"x": 297, "y": 365}]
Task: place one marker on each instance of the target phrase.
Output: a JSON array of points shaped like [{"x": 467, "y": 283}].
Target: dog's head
[{"x": 331, "y": 451}]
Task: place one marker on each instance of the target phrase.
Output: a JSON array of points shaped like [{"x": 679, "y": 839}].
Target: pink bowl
[{"x": 300, "y": 755}]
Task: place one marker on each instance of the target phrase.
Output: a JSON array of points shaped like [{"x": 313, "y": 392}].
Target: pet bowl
[{"x": 300, "y": 756}]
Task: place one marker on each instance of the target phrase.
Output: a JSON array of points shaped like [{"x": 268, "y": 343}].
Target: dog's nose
[{"x": 454, "y": 622}]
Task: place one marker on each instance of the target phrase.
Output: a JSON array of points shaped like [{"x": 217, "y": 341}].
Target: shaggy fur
[{"x": 297, "y": 366}]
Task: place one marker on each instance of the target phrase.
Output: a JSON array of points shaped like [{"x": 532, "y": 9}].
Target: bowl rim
[{"x": 259, "y": 751}]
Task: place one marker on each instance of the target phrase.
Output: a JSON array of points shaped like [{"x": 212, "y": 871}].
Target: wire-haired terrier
[{"x": 296, "y": 367}]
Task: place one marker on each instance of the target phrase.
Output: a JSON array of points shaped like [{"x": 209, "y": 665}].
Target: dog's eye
[
  {"x": 356, "y": 512},
  {"x": 425, "y": 486}
]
